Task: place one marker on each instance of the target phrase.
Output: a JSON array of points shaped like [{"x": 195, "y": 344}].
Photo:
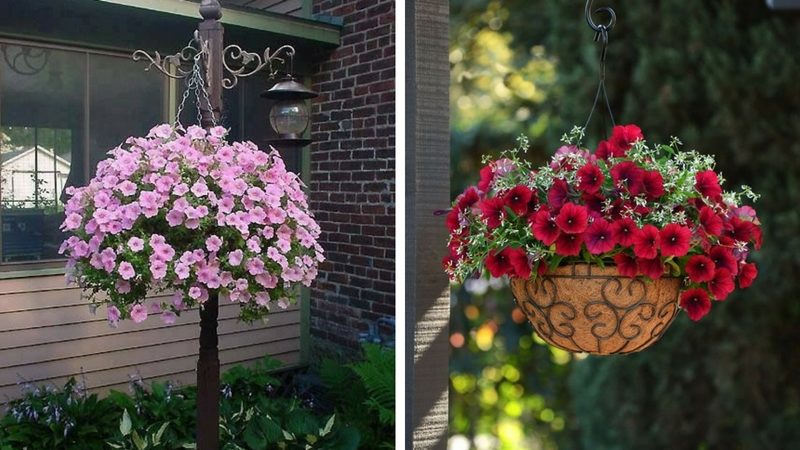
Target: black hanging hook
[
  {"x": 601, "y": 31},
  {"x": 598, "y": 28},
  {"x": 601, "y": 35}
]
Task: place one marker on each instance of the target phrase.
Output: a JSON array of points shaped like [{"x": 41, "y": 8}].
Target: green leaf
[
  {"x": 328, "y": 426},
  {"x": 140, "y": 443},
  {"x": 254, "y": 438},
  {"x": 125, "y": 424},
  {"x": 157, "y": 438},
  {"x": 554, "y": 263},
  {"x": 675, "y": 269}
]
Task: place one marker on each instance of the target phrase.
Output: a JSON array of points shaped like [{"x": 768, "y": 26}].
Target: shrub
[{"x": 363, "y": 394}]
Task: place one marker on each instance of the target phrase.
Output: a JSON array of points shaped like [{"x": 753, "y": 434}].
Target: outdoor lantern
[{"x": 289, "y": 116}]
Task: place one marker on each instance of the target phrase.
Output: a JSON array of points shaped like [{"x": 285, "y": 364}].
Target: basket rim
[{"x": 588, "y": 273}]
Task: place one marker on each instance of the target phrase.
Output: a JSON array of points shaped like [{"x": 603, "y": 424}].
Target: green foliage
[
  {"x": 363, "y": 394},
  {"x": 162, "y": 416},
  {"x": 722, "y": 75},
  {"x": 67, "y": 419},
  {"x": 506, "y": 384},
  {"x": 253, "y": 416}
]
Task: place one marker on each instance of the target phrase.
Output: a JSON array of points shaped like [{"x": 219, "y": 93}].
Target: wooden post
[
  {"x": 427, "y": 190},
  {"x": 211, "y": 33}
]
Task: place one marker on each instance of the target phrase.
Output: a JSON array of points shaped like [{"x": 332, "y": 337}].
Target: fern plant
[{"x": 363, "y": 394}]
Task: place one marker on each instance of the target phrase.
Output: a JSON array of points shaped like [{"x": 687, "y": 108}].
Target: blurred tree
[
  {"x": 500, "y": 79},
  {"x": 723, "y": 76}
]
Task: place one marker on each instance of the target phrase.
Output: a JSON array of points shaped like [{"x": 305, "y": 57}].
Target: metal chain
[{"x": 196, "y": 85}]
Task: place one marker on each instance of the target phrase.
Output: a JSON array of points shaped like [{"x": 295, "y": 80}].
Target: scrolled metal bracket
[
  {"x": 239, "y": 63},
  {"x": 182, "y": 62}
]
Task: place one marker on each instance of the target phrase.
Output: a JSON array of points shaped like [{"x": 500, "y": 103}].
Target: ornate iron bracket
[
  {"x": 237, "y": 62},
  {"x": 182, "y": 61},
  {"x": 251, "y": 63}
]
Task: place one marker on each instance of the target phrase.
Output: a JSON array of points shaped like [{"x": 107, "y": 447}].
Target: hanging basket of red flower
[{"x": 603, "y": 248}]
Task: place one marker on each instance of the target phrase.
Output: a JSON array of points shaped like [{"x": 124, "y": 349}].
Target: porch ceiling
[{"x": 250, "y": 18}]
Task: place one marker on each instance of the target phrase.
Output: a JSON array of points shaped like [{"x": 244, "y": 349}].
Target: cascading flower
[
  {"x": 674, "y": 240},
  {"x": 651, "y": 211},
  {"x": 572, "y": 219},
  {"x": 181, "y": 211},
  {"x": 700, "y": 269},
  {"x": 544, "y": 227},
  {"x": 696, "y": 303},
  {"x": 517, "y": 199},
  {"x": 599, "y": 237}
]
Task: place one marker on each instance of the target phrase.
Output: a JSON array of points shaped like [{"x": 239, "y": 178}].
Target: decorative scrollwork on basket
[
  {"x": 240, "y": 63},
  {"x": 593, "y": 310},
  {"x": 178, "y": 65}
]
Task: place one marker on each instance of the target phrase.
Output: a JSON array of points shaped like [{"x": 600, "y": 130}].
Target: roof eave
[{"x": 308, "y": 29}]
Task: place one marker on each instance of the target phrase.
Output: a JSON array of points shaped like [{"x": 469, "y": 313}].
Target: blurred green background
[{"x": 724, "y": 76}]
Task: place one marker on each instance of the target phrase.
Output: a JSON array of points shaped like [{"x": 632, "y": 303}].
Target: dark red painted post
[{"x": 211, "y": 34}]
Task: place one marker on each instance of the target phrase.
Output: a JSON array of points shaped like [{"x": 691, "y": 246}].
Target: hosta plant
[
  {"x": 649, "y": 210},
  {"x": 190, "y": 213}
]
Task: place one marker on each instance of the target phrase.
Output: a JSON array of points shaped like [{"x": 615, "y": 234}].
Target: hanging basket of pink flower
[
  {"x": 187, "y": 212},
  {"x": 604, "y": 248}
]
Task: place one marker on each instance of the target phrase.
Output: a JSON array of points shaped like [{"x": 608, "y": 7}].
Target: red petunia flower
[
  {"x": 710, "y": 221},
  {"x": 747, "y": 274},
  {"x": 606, "y": 149},
  {"x": 494, "y": 211},
  {"x": 722, "y": 284},
  {"x": 544, "y": 227},
  {"x": 456, "y": 247},
  {"x": 572, "y": 218},
  {"x": 652, "y": 268},
  {"x": 723, "y": 258},
  {"x": 674, "y": 240},
  {"x": 645, "y": 244},
  {"x": 452, "y": 220},
  {"x": 742, "y": 230},
  {"x": 541, "y": 268},
  {"x": 653, "y": 184},
  {"x": 696, "y": 303},
  {"x": 624, "y": 230},
  {"x": 593, "y": 203},
  {"x": 599, "y": 238},
  {"x": 569, "y": 244},
  {"x": 707, "y": 184},
  {"x": 448, "y": 264},
  {"x": 700, "y": 268},
  {"x": 499, "y": 263},
  {"x": 534, "y": 201},
  {"x": 624, "y": 136},
  {"x": 629, "y": 176},
  {"x": 468, "y": 198},
  {"x": 590, "y": 178},
  {"x": 626, "y": 265},
  {"x": 519, "y": 263},
  {"x": 517, "y": 199},
  {"x": 487, "y": 176},
  {"x": 557, "y": 195},
  {"x": 757, "y": 237}
]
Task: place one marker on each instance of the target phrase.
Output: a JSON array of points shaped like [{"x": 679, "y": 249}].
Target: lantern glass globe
[{"x": 289, "y": 117}]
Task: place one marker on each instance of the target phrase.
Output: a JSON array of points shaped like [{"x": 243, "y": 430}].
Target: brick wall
[{"x": 352, "y": 173}]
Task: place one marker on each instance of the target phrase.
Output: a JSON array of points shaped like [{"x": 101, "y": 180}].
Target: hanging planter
[
  {"x": 189, "y": 213},
  {"x": 603, "y": 248},
  {"x": 592, "y": 309}
]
